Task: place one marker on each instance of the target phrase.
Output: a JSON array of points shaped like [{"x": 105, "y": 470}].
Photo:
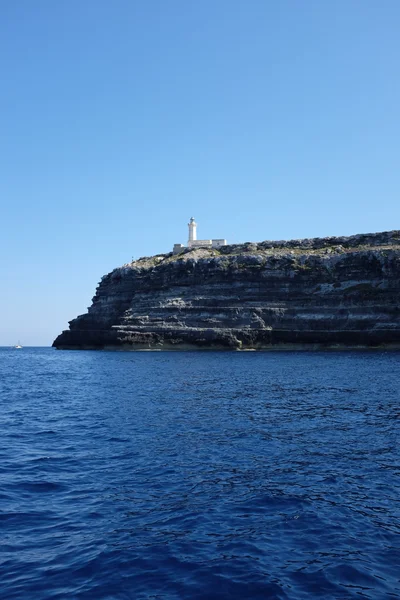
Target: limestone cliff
[{"x": 323, "y": 292}]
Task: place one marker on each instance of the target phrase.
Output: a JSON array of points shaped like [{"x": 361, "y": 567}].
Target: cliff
[{"x": 312, "y": 293}]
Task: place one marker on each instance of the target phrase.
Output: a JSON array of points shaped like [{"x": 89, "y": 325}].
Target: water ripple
[{"x": 199, "y": 475}]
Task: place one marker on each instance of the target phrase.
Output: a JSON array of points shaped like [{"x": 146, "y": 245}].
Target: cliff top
[{"x": 389, "y": 240}]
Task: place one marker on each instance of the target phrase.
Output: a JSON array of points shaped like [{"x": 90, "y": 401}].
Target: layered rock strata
[{"x": 313, "y": 293}]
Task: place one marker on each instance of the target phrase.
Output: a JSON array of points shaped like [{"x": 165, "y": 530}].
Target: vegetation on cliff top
[{"x": 389, "y": 240}]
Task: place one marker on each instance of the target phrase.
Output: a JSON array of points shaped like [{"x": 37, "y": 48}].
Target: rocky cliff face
[{"x": 324, "y": 292}]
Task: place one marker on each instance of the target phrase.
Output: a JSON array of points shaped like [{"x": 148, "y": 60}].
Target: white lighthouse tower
[
  {"x": 192, "y": 230},
  {"x": 193, "y": 242}
]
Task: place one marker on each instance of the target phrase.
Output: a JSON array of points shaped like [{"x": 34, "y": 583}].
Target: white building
[{"x": 193, "y": 242}]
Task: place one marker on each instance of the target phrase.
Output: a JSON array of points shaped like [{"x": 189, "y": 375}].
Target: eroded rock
[{"x": 323, "y": 292}]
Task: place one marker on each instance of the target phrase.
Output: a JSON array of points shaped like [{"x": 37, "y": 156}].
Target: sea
[{"x": 199, "y": 475}]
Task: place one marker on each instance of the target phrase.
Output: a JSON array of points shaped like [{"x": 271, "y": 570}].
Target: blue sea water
[{"x": 199, "y": 475}]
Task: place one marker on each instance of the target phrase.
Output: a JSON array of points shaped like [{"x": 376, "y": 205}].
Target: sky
[{"x": 263, "y": 119}]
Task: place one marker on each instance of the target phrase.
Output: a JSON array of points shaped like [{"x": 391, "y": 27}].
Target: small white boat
[{"x": 18, "y": 345}]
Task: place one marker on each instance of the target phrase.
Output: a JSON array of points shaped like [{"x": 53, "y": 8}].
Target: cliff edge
[{"x": 315, "y": 293}]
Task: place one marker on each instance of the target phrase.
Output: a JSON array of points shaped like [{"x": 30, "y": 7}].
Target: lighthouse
[
  {"x": 193, "y": 242},
  {"x": 192, "y": 230}
]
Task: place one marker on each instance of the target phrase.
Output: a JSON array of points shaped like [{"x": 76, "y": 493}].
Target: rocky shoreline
[{"x": 321, "y": 293}]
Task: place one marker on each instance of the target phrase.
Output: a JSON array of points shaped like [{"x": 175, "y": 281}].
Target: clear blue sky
[{"x": 264, "y": 119}]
